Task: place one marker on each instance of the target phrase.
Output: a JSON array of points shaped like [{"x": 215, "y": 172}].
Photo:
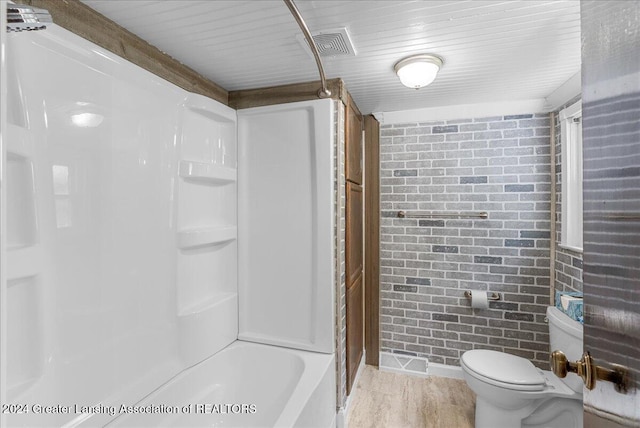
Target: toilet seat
[{"x": 503, "y": 370}]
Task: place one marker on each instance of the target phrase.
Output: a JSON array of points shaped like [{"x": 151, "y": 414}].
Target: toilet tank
[{"x": 565, "y": 334}]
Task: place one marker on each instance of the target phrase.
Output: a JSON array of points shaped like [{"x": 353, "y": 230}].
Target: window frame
[{"x": 571, "y": 177}]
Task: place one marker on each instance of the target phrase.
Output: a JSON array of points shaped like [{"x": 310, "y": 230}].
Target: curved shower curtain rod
[{"x": 324, "y": 92}]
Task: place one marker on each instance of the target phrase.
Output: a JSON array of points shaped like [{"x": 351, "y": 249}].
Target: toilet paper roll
[{"x": 479, "y": 299}]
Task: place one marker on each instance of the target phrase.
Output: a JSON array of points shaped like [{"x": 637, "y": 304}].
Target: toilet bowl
[{"x": 512, "y": 393}]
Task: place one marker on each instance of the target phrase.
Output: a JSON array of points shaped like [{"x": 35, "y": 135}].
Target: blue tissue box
[{"x": 571, "y": 304}]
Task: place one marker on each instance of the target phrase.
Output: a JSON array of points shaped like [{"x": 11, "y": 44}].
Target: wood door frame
[
  {"x": 353, "y": 140},
  {"x": 354, "y": 241},
  {"x": 354, "y": 265},
  {"x": 372, "y": 240}
]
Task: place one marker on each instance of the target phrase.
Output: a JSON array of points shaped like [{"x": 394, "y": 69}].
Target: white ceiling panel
[{"x": 493, "y": 50}]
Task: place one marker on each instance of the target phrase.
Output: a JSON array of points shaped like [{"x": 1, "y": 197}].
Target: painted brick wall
[
  {"x": 568, "y": 263},
  {"x": 340, "y": 239},
  {"x": 500, "y": 165}
]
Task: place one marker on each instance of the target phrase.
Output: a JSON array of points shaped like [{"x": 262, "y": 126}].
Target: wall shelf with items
[
  {"x": 206, "y": 172},
  {"x": 206, "y": 236}
]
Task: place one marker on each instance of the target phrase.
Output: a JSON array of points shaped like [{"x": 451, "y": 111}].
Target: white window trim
[
  {"x": 571, "y": 236},
  {"x": 570, "y": 248}
]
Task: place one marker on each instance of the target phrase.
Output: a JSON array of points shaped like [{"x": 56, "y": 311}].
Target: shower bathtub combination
[{"x": 169, "y": 260}]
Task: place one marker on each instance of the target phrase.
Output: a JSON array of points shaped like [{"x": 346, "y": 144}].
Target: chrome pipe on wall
[{"x": 324, "y": 92}]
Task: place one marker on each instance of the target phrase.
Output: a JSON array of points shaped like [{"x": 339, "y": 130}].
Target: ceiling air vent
[{"x": 330, "y": 43}]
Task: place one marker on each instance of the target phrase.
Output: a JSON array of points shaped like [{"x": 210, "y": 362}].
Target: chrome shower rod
[{"x": 324, "y": 92}]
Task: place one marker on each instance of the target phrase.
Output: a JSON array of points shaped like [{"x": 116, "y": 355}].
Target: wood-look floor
[{"x": 392, "y": 400}]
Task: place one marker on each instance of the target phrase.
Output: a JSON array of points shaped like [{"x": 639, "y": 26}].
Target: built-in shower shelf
[
  {"x": 19, "y": 141},
  {"x": 23, "y": 262},
  {"x": 206, "y": 236},
  {"x": 210, "y": 109},
  {"x": 214, "y": 174},
  {"x": 207, "y": 304}
]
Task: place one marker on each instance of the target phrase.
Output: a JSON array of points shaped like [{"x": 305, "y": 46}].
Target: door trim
[{"x": 372, "y": 240}]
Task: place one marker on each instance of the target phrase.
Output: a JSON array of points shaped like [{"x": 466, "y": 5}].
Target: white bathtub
[{"x": 245, "y": 385}]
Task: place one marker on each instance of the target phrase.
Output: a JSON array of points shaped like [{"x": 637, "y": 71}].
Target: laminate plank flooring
[{"x": 393, "y": 400}]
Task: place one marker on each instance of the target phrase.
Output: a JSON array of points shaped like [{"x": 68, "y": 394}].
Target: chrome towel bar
[{"x": 404, "y": 214}]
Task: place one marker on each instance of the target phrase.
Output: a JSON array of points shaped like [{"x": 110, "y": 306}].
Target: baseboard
[
  {"x": 402, "y": 371},
  {"x": 343, "y": 413},
  {"x": 443, "y": 370},
  {"x": 341, "y": 418}
]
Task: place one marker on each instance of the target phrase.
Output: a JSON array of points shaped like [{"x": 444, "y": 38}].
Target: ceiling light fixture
[{"x": 418, "y": 70}]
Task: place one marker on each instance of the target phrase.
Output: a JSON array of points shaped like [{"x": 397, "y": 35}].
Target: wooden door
[
  {"x": 611, "y": 149},
  {"x": 354, "y": 242},
  {"x": 353, "y": 149}
]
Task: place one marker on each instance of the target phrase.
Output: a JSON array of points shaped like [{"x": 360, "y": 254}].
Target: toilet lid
[{"x": 504, "y": 368}]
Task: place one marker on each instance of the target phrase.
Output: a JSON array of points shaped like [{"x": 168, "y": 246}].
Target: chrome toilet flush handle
[{"x": 589, "y": 371}]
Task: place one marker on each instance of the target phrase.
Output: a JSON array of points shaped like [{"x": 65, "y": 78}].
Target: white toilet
[{"x": 512, "y": 393}]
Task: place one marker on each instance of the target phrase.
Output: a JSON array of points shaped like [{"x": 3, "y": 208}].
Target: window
[{"x": 571, "y": 135}]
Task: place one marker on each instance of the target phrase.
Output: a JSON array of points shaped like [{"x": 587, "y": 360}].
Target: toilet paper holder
[{"x": 490, "y": 295}]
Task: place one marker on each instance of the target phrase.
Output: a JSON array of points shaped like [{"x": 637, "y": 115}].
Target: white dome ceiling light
[{"x": 418, "y": 70}]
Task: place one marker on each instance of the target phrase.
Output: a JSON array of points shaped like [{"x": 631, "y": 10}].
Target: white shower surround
[
  {"x": 286, "y": 222},
  {"x": 110, "y": 166}
]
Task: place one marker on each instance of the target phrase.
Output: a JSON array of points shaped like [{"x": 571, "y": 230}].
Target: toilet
[{"x": 512, "y": 393}]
